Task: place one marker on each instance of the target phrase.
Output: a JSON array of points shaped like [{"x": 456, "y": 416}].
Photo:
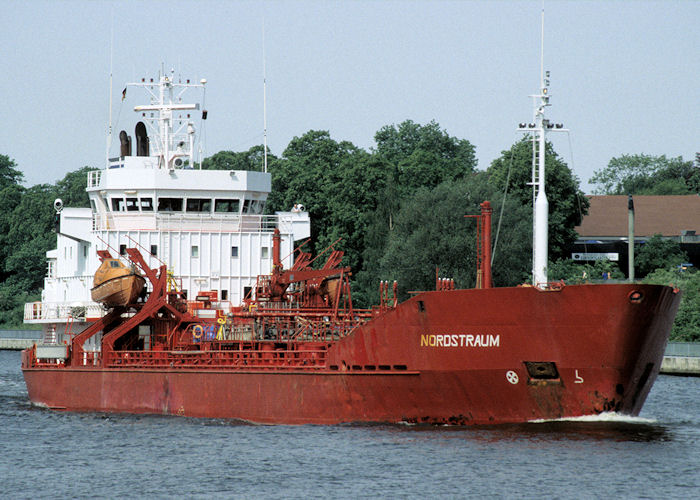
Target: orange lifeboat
[{"x": 115, "y": 284}]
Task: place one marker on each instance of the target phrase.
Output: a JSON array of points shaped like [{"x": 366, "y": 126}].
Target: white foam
[{"x": 608, "y": 416}]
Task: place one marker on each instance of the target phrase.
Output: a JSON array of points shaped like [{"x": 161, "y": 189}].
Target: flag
[{"x": 124, "y": 94}]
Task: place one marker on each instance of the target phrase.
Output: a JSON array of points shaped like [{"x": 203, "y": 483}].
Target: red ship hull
[{"x": 488, "y": 356}]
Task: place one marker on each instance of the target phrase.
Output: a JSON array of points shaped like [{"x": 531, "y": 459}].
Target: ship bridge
[{"x": 208, "y": 227}]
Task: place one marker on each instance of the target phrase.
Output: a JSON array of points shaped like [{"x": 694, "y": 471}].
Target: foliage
[
  {"x": 12, "y": 300},
  {"x": 339, "y": 185},
  {"x": 253, "y": 159},
  {"x": 26, "y": 234},
  {"x": 71, "y": 189},
  {"x": 574, "y": 273},
  {"x": 431, "y": 232},
  {"x": 686, "y": 327},
  {"x": 10, "y": 197},
  {"x": 657, "y": 253},
  {"x": 567, "y": 204},
  {"x": 9, "y": 175},
  {"x": 423, "y": 155},
  {"x": 31, "y": 234},
  {"x": 411, "y": 156},
  {"x": 647, "y": 175}
]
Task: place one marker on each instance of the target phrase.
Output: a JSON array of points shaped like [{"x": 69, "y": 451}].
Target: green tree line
[{"x": 396, "y": 210}]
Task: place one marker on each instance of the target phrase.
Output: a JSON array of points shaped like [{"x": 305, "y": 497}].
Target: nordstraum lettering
[{"x": 460, "y": 340}]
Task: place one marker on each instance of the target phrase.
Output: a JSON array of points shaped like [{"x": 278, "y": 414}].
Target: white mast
[
  {"x": 539, "y": 129},
  {"x": 173, "y": 145},
  {"x": 541, "y": 233}
]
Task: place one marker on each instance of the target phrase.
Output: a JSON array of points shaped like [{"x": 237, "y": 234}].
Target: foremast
[{"x": 539, "y": 129}]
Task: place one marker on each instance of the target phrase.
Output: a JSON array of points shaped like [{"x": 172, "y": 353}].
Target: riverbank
[{"x": 16, "y": 340}]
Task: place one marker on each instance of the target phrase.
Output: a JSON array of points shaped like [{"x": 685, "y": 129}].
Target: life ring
[{"x": 197, "y": 333}]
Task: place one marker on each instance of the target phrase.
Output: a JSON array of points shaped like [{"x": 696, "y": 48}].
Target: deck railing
[
  {"x": 209, "y": 222},
  {"x": 62, "y": 311}
]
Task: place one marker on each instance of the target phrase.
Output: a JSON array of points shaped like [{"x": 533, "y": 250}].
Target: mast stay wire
[
  {"x": 578, "y": 197},
  {"x": 503, "y": 204}
]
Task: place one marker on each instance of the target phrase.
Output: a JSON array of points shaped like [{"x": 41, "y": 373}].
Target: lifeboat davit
[{"x": 116, "y": 284}]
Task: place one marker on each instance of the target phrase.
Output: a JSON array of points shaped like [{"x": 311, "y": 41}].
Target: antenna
[
  {"x": 111, "y": 60},
  {"x": 264, "y": 100},
  {"x": 542, "y": 48}
]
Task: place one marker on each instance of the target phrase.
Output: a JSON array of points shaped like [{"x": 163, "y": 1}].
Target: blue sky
[{"x": 624, "y": 75}]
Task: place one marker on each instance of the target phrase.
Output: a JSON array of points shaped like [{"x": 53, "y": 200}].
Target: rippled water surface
[{"x": 68, "y": 455}]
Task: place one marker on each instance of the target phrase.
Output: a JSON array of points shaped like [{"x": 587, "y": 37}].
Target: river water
[{"x": 68, "y": 455}]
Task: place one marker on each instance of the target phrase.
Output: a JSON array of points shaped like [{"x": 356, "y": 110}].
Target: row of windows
[
  {"x": 264, "y": 251},
  {"x": 221, "y": 205}
]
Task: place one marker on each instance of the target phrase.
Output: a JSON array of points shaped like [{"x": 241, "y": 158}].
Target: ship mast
[
  {"x": 174, "y": 145},
  {"x": 539, "y": 129}
]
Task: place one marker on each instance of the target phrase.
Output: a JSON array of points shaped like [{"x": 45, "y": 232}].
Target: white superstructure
[{"x": 207, "y": 226}]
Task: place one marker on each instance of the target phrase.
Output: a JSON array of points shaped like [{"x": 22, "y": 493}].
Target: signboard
[{"x": 613, "y": 256}]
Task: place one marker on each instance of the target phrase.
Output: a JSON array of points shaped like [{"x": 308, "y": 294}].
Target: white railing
[
  {"x": 190, "y": 222},
  {"x": 61, "y": 311},
  {"x": 85, "y": 279}
]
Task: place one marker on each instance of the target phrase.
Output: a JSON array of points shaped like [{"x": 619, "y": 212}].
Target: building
[{"x": 603, "y": 233}]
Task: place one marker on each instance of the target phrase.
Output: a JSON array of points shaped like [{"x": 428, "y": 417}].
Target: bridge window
[
  {"x": 227, "y": 205},
  {"x": 132, "y": 205},
  {"x": 146, "y": 204},
  {"x": 256, "y": 207},
  {"x": 198, "y": 205},
  {"x": 170, "y": 204},
  {"x": 117, "y": 205}
]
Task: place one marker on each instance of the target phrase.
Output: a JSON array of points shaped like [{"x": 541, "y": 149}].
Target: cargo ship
[{"x": 229, "y": 328}]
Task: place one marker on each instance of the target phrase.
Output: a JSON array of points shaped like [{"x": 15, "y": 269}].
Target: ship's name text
[{"x": 460, "y": 340}]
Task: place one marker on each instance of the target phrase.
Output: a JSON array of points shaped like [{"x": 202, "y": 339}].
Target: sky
[{"x": 624, "y": 74}]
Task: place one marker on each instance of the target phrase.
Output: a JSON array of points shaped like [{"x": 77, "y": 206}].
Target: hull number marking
[
  {"x": 579, "y": 379},
  {"x": 512, "y": 377}
]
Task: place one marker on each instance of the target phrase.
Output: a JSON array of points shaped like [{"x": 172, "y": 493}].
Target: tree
[
  {"x": 647, "y": 175},
  {"x": 573, "y": 273},
  {"x": 431, "y": 232},
  {"x": 567, "y": 204},
  {"x": 71, "y": 189},
  {"x": 10, "y": 198},
  {"x": 253, "y": 159},
  {"x": 338, "y": 183},
  {"x": 686, "y": 326},
  {"x": 657, "y": 253},
  {"x": 9, "y": 175},
  {"x": 423, "y": 155},
  {"x": 413, "y": 157},
  {"x": 31, "y": 234}
]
